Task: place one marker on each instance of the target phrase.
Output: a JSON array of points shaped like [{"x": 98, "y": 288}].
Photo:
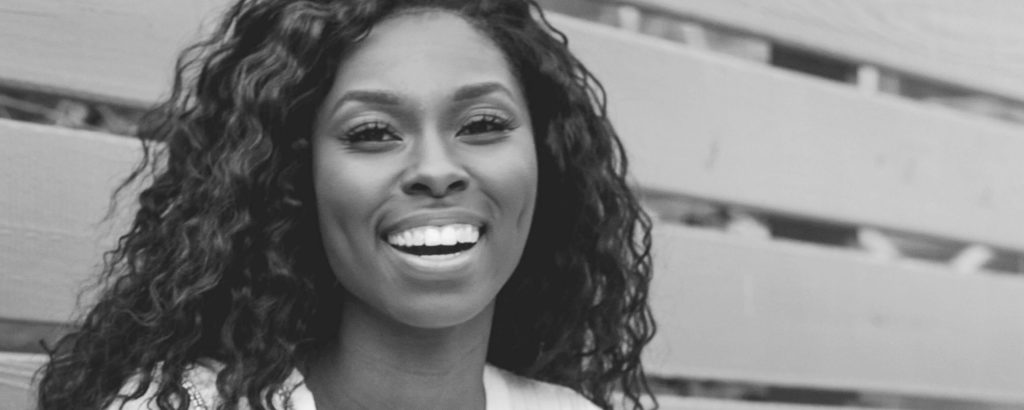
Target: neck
[{"x": 377, "y": 363}]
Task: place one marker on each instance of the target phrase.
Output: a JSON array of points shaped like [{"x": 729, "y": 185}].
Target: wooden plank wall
[
  {"x": 800, "y": 315},
  {"x": 745, "y": 133}
]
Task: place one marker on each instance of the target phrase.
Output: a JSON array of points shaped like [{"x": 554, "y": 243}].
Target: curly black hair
[{"x": 224, "y": 261}]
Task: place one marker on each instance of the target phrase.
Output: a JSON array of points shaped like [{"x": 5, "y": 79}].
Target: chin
[{"x": 443, "y": 312}]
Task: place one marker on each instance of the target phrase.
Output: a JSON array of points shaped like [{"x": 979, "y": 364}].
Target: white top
[{"x": 503, "y": 390}]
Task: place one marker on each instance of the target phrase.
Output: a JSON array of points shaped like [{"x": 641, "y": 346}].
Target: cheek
[
  {"x": 347, "y": 189},
  {"x": 522, "y": 183},
  {"x": 510, "y": 179},
  {"x": 349, "y": 193}
]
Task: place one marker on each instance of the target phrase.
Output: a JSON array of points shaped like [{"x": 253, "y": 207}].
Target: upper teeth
[{"x": 435, "y": 235}]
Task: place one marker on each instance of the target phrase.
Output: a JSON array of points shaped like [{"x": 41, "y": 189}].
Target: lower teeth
[
  {"x": 438, "y": 251},
  {"x": 440, "y": 255}
]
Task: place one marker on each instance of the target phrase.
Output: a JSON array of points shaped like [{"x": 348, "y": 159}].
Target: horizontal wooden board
[
  {"x": 697, "y": 403},
  {"x": 15, "y": 396},
  {"x": 779, "y": 313},
  {"x": 714, "y": 127},
  {"x": 976, "y": 44},
  {"x": 115, "y": 50},
  {"x": 56, "y": 184},
  {"x": 28, "y": 336},
  {"x": 16, "y": 377}
]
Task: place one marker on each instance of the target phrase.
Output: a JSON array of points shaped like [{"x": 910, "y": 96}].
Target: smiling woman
[
  {"x": 373, "y": 204},
  {"x": 431, "y": 137}
]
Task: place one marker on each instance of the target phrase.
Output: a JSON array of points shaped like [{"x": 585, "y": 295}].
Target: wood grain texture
[
  {"x": 56, "y": 184},
  {"x": 724, "y": 129},
  {"x": 978, "y": 44},
  {"x": 16, "y": 379},
  {"x": 696, "y": 403},
  {"x": 16, "y": 397},
  {"x": 782, "y": 313},
  {"x": 113, "y": 50}
]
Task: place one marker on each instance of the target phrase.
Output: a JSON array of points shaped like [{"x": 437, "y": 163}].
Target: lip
[
  {"x": 433, "y": 217},
  {"x": 427, "y": 269}
]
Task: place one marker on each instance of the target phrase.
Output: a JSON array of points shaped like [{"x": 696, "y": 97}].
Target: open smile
[
  {"x": 435, "y": 241},
  {"x": 437, "y": 248}
]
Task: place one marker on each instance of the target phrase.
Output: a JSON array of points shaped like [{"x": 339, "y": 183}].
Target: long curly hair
[{"x": 223, "y": 260}]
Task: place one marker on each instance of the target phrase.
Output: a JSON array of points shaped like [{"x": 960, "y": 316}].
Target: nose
[{"x": 433, "y": 170}]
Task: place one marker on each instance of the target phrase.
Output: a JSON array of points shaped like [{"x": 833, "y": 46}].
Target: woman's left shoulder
[
  {"x": 508, "y": 391},
  {"x": 199, "y": 380}
]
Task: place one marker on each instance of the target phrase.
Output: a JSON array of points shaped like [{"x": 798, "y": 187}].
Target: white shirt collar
[{"x": 495, "y": 391}]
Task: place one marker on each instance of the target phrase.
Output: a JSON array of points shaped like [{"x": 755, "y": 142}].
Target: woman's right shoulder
[{"x": 200, "y": 380}]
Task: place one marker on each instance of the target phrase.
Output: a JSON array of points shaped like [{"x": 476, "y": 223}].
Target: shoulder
[
  {"x": 200, "y": 380},
  {"x": 508, "y": 391}
]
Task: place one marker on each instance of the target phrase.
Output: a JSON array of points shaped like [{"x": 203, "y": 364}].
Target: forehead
[{"x": 425, "y": 51}]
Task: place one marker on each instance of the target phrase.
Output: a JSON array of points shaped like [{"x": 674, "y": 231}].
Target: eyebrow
[
  {"x": 472, "y": 91},
  {"x": 388, "y": 98},
  {"x": 376, "y": 97}
]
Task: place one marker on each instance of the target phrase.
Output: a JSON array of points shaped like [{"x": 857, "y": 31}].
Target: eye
[
  {"x": 485, "y": 124},
  {"x": 371, "y": 132}
]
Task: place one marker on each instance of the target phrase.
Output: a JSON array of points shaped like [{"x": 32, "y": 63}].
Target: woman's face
[{"x": 425, "y": 171}]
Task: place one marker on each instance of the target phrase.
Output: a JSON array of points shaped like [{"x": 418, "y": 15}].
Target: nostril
[
  {"x": 457, "y": 186},
  {"x": 436, "y": 188},
  {"x": 419, "y": 188}
]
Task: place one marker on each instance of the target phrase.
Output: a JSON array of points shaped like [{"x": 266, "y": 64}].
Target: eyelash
[
  {"x": 495, "y": 122},
  {"x": 380, "y": 131},
  {"x": 376, "y": 131}
]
